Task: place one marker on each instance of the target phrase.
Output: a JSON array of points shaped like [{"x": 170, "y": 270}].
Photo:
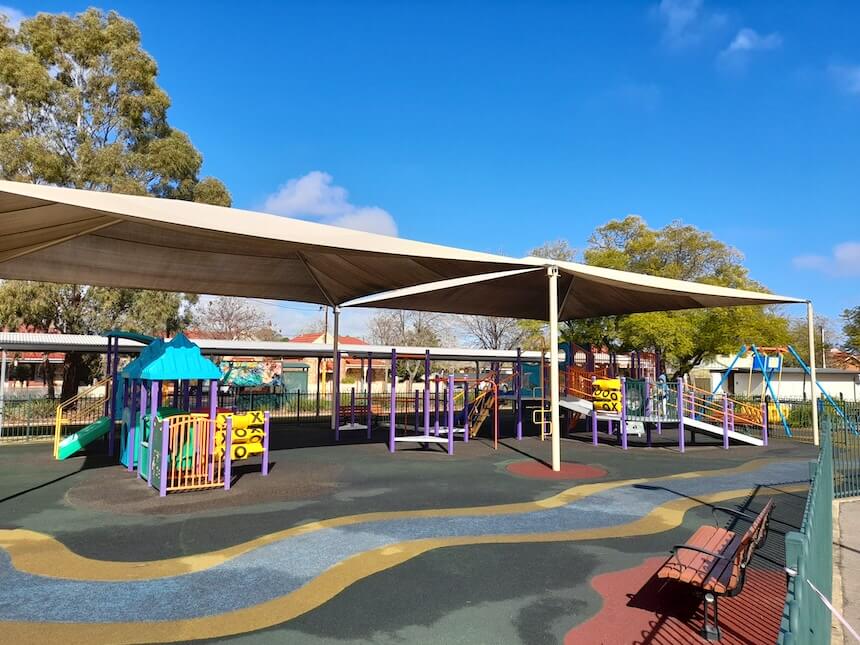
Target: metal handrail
[{"x": 67, "y": 404}]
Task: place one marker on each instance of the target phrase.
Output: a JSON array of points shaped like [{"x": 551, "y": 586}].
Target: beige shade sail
[
  {"x": 77, "y": 236},
  {"x": 86, "y": 237},
  {"x": 584, "y": 292}
]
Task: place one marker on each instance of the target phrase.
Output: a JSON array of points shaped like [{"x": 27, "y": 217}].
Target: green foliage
[
  {"x": 81, "y": 108},
  {"x": 851, "y": 328},
  {"x": 684, "y": 252}
]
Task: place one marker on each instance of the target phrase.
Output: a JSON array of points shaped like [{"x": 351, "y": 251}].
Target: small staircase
[{"x": 81, "y": 410}]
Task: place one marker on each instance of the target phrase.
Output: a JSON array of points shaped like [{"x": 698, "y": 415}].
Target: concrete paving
[{"x": 848, "y": 563}]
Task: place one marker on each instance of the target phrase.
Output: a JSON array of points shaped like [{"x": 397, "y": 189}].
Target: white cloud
[
  {"x": 745, "y": 42},
  {"x": 748, "y": 40},
  {"x": 315, "y": 196},
  {"x": 846, "y": 78},
  {"x": 844, "y": 262},
  {"x": 13, "y": 16},
  {"x": 686, "y": 22}
]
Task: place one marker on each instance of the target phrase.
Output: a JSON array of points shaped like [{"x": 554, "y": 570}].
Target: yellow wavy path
[
  {"x": 334, "y": 580},
  {"x": 41, "y": 554}
]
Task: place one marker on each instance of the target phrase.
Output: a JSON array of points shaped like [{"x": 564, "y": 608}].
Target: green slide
[{"x": 83, "y": 437}]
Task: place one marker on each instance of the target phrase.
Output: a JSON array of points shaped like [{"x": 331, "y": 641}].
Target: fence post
[
  {"x": 648, "y": 409},
  {"x": 265, "y": 467},
  {"x": 518, "y": 383},
  {"x": 764, "y": 412},
  {"x": 228, "y": 453},
  {"x": 392, "y": 412},
  {"x": 436, "y": 422},
  {"x": 165, "y": 442},
  {"x": 426, "y": 397},
  {"x": 725, "y": 422},
  {"x": 623, "y": 422},
  {"x": 594, "y": 439},
  {"x": 681, "y": 437},
  {"x": 450, "y": 398},
  {"x": 466, "y": 411}
]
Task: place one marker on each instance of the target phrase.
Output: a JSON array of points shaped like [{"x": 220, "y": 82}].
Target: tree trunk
[
  {"x": 48, "y": 376},
  {"x": 72, "y": 370}
]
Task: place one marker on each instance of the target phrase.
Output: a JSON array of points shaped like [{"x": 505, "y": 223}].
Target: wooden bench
[{"x": 714, "y": 561}]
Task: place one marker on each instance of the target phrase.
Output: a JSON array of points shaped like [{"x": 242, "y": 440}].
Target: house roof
[{"x": 320, "y": 338}]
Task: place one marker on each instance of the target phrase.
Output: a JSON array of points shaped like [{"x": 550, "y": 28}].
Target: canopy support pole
[
  {"x": 2, "y": 388},
  {"x": 335, "y": 371},
  {"x": 810, "y": 330},
  {"x": 552, "y": 273}
]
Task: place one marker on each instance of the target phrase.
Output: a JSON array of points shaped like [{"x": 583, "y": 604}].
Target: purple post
[
  {"x": 681, "y": 436},
  {"x": 369, "y": 380},
  {"x": 132, "y": 426},
  {"x": 335, "y": 388},
  {"x": 764, "y": 422},
  {"x": 228, "y": 453},
  {"x": 213, "y": 413},
  {"x": 165, "y": 442},
  {"x": 594, "y": 439},
  {"x": 265, "y": 466},
  {"x": 436, "y": 425},
  {"x": 518, "y": 384},
  {"x": 450, "y": 414},
  {"x": 176, "y": 401},
  {"x": 160, "y": 397},
  {"x": 115, "y": 381},
  {"x": 466, "y": 411},
  {"x": 623, "y": 423},
  {"x": 186, "y": 400},
  {"x": 198, "y": 403},
  {"x": 136, "y": 451},
  {"x": 725, "y": 422},
  {"x": 392, "y": 413},
  {"x": 108, "y": 363},
  {"x": 649, "y": 409},
  {"x": 426, "y": 392},
  {"x": 416, "y": 411}
]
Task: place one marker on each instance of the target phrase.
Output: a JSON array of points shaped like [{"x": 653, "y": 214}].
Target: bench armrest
[
  {"x": 689, "y": 547},
  {"x": 747, "y": 516}
]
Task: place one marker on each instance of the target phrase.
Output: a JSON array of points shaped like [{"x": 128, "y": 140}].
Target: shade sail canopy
[
  {"x": 77, "y": 236},
  {"x": 584, "y": 292},
  {"x": 66, "y": 235}
]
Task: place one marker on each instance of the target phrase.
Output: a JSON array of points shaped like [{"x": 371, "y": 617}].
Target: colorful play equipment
[
  {"x": 639, "y": 406},
  {"x": 171, "y": 446},
  {"x": 767, "y": 360},
  {"x": 450, "y": 407}
]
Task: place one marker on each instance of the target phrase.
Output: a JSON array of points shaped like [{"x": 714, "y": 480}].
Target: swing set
[{"x": 768, "y": 360}]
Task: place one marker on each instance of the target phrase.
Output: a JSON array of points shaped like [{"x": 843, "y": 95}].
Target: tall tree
[
  {"x": 233, "y": 319},
  {"x": 81, "y": 108},
  {"x": 491, "y": 332},
  {"x": 684, "y": 252},
  {"x": 416, "y": 328},
  {"x": 851, "y": 328}
]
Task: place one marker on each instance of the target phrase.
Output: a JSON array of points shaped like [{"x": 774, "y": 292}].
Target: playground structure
[
  {"x": 172, "y": 446},
  {"x": 768, "y": 360},
  {"x": 461, "y": 409}
]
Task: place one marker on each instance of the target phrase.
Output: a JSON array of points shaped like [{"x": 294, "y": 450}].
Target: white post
[
  {"x": 552, "y": 273},
  {"x": 2, "y": 390},
  {"x": 810, "y": 329},
  {"x": 335, "y": 369}
]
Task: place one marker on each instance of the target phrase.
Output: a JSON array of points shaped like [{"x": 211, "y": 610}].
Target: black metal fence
[{"x": 27, "y": 418}]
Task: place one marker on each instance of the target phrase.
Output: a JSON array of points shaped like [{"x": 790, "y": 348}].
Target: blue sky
[{"x": 498, "y": 126}]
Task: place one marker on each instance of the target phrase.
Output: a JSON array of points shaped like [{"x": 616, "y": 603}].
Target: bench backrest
[{"x": 750, "y": 541}]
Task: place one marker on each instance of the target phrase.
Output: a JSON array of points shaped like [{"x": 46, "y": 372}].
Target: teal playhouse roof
[{"x": 178, "y": 359}]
